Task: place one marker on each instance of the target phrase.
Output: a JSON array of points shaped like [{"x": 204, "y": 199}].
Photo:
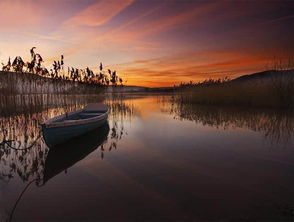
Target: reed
[
  {"x": 12, "y": 83},
  {"x": 275, "y": 89}
]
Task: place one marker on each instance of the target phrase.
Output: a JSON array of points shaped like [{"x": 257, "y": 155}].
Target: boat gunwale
[{"x": 51, "y": 124}]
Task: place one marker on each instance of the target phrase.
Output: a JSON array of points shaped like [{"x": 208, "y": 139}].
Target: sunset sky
[{"x": 151, "y": 42}]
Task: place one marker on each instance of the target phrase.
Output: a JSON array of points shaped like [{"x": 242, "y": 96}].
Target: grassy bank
[
  {"x": 265, "y": 89},
  {"x": 12, "y": 83}
]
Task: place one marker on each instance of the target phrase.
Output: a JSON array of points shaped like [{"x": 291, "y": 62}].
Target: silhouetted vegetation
[
  {"x": 273, "y": 88},
  {"x": 38, "y": 79}
]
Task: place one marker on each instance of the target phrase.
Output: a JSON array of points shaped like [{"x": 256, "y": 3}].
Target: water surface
[{"x": 156, "y": 159}]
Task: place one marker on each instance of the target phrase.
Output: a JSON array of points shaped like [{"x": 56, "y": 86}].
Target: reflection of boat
[
  {"x": 67, "y": 154},
  {"x": 61, "y": 128}
]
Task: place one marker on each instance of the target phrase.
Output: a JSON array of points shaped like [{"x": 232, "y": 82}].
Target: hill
[{"x": 265, "y": 75}]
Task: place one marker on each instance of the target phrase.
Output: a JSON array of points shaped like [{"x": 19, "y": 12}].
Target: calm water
[{"x": 156, "y": 160}]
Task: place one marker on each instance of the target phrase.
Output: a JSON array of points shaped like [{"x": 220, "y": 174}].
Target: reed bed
[
  {"x": 12, "y": 83},
  {"x": 274, "y": 90}
]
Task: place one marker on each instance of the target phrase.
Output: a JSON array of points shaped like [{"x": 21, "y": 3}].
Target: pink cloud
[
  {"x": 130, "y": 33},
  {"x": 98, "y": 13},
  {"x": 19, "y": 13}
]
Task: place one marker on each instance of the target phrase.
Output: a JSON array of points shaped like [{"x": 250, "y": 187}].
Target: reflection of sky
[
  {"x": 168, "y": 169},
  {"x": 153, "y": 43},
  {"x": 165, "y": 168}
]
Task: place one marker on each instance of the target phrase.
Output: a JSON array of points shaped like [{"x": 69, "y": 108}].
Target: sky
[{"x": 151, "y": 42}]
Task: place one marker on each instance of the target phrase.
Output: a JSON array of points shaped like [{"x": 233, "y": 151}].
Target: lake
[{"x": 157, "y": 159}]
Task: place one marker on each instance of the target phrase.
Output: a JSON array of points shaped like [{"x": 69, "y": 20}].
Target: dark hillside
[{"x": 265, "y": 75}]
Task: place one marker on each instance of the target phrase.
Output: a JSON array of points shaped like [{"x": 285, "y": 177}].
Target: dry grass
[
  {"x": 275, "y": 90},
  {"x": 12, "y": 83}
]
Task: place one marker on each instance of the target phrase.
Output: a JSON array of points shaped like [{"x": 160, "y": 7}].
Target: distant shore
[
  {"x": 272, "y": 88},
  {"x": 12, "y": 83}
]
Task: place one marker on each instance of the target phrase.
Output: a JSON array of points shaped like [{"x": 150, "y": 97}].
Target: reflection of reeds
[
  {"x": 23, "y": 132},
  {"x": 120, "y": 107},
  {"x": 19, "y": 128},
  {"x": 27, "y": 104},
  {"x": 120, "y": 111},
  {"x": 276, "y": 124}
]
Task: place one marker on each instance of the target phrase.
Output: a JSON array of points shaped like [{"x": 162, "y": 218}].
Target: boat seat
[
  {"x": 69, "y": 120},
  {"x": 90, "y": 114},
  {"x": 96, "y": 107}
]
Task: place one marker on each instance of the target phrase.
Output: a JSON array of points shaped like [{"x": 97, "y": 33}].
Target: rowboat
[
  {"x": 66, "y": 126},
  {"x": 67, "y": 154}
]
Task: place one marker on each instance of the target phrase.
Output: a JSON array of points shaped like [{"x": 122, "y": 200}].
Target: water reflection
[
  {"x": 22, "y": 149},
  {"x": 63, "y": 156},
  {"x": 29, "y": 104},
  {"x": 150, "y": 155},
  {"x": 276, "y": 125},
  {"x": 23, "y": 152}
]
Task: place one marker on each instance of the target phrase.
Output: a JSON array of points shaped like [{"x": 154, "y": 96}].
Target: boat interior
[{"x": 80, "y": 115}]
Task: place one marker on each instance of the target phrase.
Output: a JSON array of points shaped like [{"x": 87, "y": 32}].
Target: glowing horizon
[{"x": 151, "y": 43}]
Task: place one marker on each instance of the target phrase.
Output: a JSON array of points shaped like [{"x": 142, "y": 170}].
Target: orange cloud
[
  {"x": 170, "y": 70},
  {"x": 222, "y": 38}
]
